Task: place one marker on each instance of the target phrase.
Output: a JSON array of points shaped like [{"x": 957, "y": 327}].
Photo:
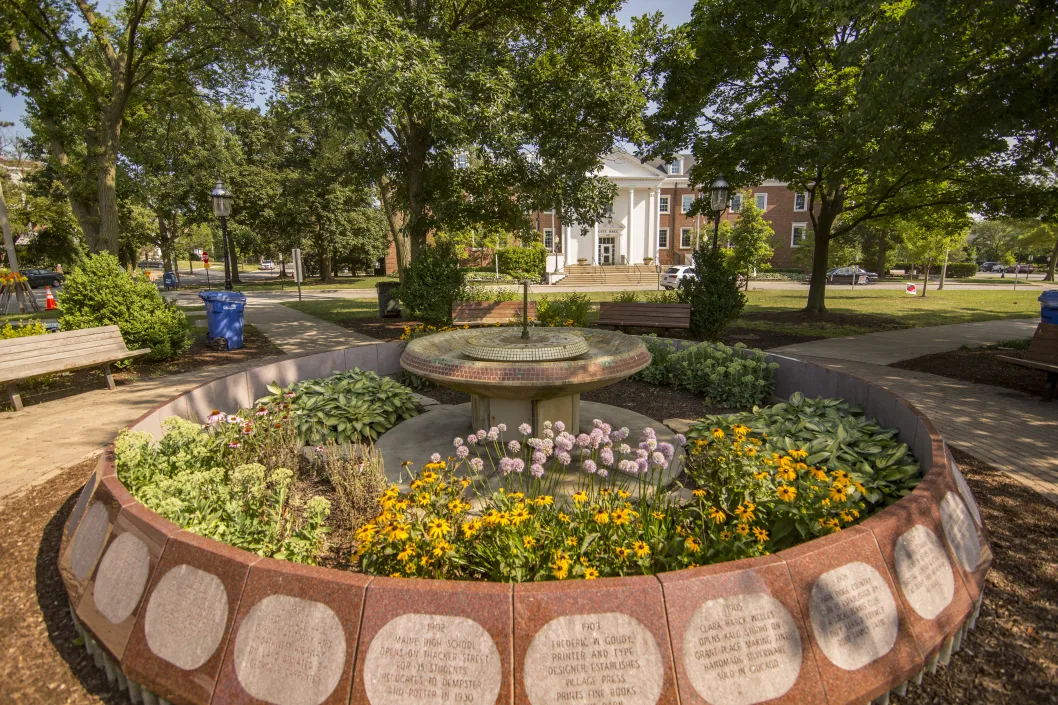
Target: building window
[
  {"x": 675, "y": 167},
  {"x": 663, "y": 206},
  {"x": 550, "y": 211},
  {"x": 799, "y": 234},
  {"x": 461, "y": 161},
  {"x": 800, "y": 202},
  {"x": 663, "y": 239},
  {"x": 736, "y": 203},
  {"x": 685, "y": 202},
  {"x": 761, "y": 201},
  {"x": 549, "y": 238},
  {"x": 685, "y": 238}
]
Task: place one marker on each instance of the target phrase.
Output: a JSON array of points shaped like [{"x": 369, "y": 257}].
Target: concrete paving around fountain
[{"x": 416, "y": 439}]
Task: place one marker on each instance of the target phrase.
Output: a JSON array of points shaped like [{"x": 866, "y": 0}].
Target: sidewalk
[
  {"x": 896, "y": 345},
  {"x": 1012, "y": 431}
]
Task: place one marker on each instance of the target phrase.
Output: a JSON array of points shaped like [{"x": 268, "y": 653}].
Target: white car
[
  {"x": 674, "y": 275},
  {"x": 268, "y": 265}
]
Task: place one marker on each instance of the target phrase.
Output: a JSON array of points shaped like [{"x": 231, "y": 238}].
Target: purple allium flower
[
  {"x": 517, "y": 464},
  {"x": 624, "y": 449},
  {"x": 538, "y": 456},
  {"x": 641, "y": 464},
  {"x": 648, "y": 432},
  {"x": 481, "y": 435},
  {"x": 493, "y": 434},
  {"x": 642, "y": 454},
  {"x": 620, "y": 434},
  {"x": 681, "y": 439},
  {"x": 472, "y": 439},
  {"x": 548, "y": 433},
  {"x": 505, "y": 465},
  {"x": 596, "y": 423},
  {"x": 525, "y": 429},
  {"x": 607, "y": 429},
  {"x": 658, "y": 459},
  {"x": 462, "y": 452},
  {"x": 502, "y": 427},
  {"x": 536, "y": 470},
  {"x": 589, "y": 466},
  {"x": 457, "y": 442},
  {"x": 515, "y": 447},
  {"x": 435, "y": 458},
  {"x": 626, "y": 466},
  {"x": 606, "y": 456},
  {"x": 603, "y": 472},
  {"x": 477, "y": 464},
  {"x": 563, "y": 457},
  {"x": 560, "y": 426},
  {"x": 583, "y": 440},
  {"x": 564, "y": 444},
  {"x": 667, "y": 450}
]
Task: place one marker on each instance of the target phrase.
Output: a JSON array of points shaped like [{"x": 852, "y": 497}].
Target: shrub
[
  {"x": 957, "y": 270},
  {"x": 98, "y": 292},
  {"x": 347, "y": 407},
  {"x": 662, "y": 297},
  {"x": 625, "y": 297},
  {"x": 22, "y": 330},
  {"x": 525, "y": 262},
  {"x": 661, "y": 352},
  {"x": 714, "y": 295},
  {"x": 726, "y": 377},
  {"x": 484, "y": 293},
  {"x": 835, "y": 435},
  {"x": 569, "y": 310},
  {"x": 432, "y": 282},
  {"x": 357, "y": 476}
]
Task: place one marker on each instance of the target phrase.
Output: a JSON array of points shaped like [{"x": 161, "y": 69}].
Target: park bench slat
[
  {"x": 637, "y": 315},
  {"x": 22, "y": 358},
  {"x": 1041, "y": 355},
  {"x": 487, "y": 312}
]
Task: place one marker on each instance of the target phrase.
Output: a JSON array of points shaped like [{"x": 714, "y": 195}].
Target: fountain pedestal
[{"x": 490, "y": 411}]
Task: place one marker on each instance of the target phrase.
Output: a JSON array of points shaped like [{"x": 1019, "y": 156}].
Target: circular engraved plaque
[
  {"x": 432, "y": 658},
  {"x": 593, "y": 658},
  {"x": 121, "y": 578},
  {"x": 186, "y": 616},
  {"x": 89, "y": 539},
  {"x": 290, "y": 651},
  {"x": 854, "y": 617},
  {"x": 507, "y": 345},
  {"x": 742, "y": 650},
  {"x": 924, "y": 572},
  {"x": 960, "y": 531}
]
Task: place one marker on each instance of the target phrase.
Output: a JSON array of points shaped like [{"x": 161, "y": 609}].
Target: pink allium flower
[
  {"x": 583, "y": 440},
  {"x": 642, "y": 465},
  {"x": 493, "y": 434},
  {"x": 517, "y": 464},
  {"x": 658, "y": 459},
  {"x": 435, "y": 458},
  {"x": 536, "y": 470},
  {"x": 502, "y": 427},
  {"x": 560, "y": 426},
  {"x": 514, "y": 447},
  {"x": 624, "y": 449},
  {"x": 457, "y": 441},
  {"x": 606, "y": 456},
  {"x": 472, "y": 439},
  {"x": 563, "y": 457},
  {"x": 525, "y": 429},
  {"x": 596, "y": 423},
  {"x": 477, "y": 464},
  {"x": 603, "y": 472},
  {"x": 642, "y": 454},
  {"x": 589, "y": 466},
  {"x": 681, "y": 439},
  {"x": 462, "y": 452},
  {"x": 481, "y": 435},
  {"x": 667, "y": 450}
]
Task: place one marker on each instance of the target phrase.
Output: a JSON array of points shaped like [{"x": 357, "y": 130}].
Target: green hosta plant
[
  {"x": 836, "y": 435},
  {"x": 347, "y": 407},
  {"x": 725, "y": 376}
]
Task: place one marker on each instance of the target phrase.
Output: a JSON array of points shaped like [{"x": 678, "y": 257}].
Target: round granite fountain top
[
  {"x": 540, "y": 368},
  {"x": 507, "y": 345}
]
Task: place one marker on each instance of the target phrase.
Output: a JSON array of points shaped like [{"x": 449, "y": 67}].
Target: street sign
[
  {"x": 910, "y": 289},
  {"x": 298, "y": 272},
  {"x": 205, "y": 259}
]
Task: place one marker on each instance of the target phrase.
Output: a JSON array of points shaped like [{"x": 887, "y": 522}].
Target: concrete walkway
[
  {"x": 44, "y": 438},
  {"x": 896, "y": 345},
  {"x": 1010, "y": 430}
]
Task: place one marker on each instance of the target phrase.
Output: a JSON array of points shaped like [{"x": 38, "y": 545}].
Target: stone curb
[{"x": 848, "y": 618}]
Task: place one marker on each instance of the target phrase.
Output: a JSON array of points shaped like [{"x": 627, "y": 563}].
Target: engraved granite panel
[{"x": 85, "y": 547}]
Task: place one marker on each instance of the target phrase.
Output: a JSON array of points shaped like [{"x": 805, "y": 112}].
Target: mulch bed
[
  {"x": 981, "y": 366},
  {"x": 379, "y": 328},
  {"x": 763, "y": 339},
  {"x": 200, "y": 354},
  {"x": 1012, "y": 656}
]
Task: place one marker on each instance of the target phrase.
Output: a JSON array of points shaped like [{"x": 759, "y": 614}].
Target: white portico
[{"x": 630, "y": 231}]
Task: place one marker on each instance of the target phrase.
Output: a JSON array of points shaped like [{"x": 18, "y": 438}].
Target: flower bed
[{"x": 859, "y": 612}]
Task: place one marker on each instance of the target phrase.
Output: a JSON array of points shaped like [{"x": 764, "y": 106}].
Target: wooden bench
[
  {"x": 22, "y": 358},
  {"x": 1042, "y": 355},
  {"x": 629, "y": 315},
  {"x": 488, "y": 313}
]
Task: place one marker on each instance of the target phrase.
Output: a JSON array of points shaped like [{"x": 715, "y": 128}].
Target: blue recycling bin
[
  {"x": 224, "y": 317},
  {"x": 1049, "y": 306}
]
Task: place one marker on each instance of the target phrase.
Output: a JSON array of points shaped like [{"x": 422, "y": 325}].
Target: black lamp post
[
  {"x": 718, "y": 200},
  {"x": 222, "y": 209}
]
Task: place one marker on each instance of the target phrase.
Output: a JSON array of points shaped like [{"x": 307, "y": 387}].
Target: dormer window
[{"x": 676, "y": 167}]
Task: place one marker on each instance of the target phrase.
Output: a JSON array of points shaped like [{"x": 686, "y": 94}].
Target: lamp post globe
[
  {"x": 221, "y": 200},
  {"x": 718, "y": 200}
]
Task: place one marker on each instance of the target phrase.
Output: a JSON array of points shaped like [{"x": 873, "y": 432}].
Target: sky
[{"x": 12, "y": 108}]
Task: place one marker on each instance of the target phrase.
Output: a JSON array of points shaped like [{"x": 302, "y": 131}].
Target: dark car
[
  {"x": 844, "y": 275},
  {"x": 1020, "y": 269},
  {"x": 42, "y": 277}
]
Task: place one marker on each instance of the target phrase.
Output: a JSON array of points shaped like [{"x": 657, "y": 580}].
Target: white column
[
  {"x": 628, "y": 229},
  {"x": 565, "y": 245},
  {"x": 656, "y": 217},
  {"x": 594, "y": 259},
  {"x": 651, "y": 238}
]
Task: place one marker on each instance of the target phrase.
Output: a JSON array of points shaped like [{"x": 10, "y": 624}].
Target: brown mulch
[
  {"x": 379, "y": 328},
  {"x": 763, "y": 339},
  {"x": 199, "y": 354},
  {"x": 1012, "y": 656},
  {"x": 981, "y": 366},
  {"x": 658, "y": 403}
]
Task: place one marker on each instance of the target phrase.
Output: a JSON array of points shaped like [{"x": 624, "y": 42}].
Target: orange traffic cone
[{"x": 49, "y": 299}]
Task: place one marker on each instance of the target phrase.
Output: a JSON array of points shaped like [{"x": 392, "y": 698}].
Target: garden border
[{"x": 132, "y": 617}]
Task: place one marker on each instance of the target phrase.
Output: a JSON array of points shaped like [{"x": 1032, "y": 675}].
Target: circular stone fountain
[{"x": 514, "y": 380}]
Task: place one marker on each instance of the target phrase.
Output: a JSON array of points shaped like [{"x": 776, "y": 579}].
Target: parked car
[
  {"x": 986, "y": 266},
  {"x": 1020, "y": 269},
  {"x": 268, "y": 265},
  {"x": 845, "y": 275},
  {"x": 998, "y": 267},
  {"x": 42, "y": 277},
  {"x": 674, "y": 275}
]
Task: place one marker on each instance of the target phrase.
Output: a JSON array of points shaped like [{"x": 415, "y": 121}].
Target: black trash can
[{"x": 388, "y": 306}]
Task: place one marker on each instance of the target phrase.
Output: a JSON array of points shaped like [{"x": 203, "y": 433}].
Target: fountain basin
[{"x": 530, "y": 386}]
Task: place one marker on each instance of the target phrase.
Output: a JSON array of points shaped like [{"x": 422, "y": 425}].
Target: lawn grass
[
  {"x": 288, "y": 284},
  {"x": 13, "y": 317},
  {"x": 937, "y": 308}
]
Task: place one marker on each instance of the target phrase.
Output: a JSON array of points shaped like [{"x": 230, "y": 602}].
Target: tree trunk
[
  {"x": 943, "y": 271},
  {"x": 9, "y": 240},
  {"x": 399, "y": 234},
  {"x": 107, "y": 199},
  {"x": 883, "y": 250},
  {"x": 1049, "y": 277},
  {"x": 235, "y": 278},
  {"x": 85, "y": 211},
  {"x": 416, "y": 180},
  {"x": 325, "y": 266},
  {"x": 817, "y": 288},
  {"x": 282, "y": 267},
  {"x": 925, "y": 278}
]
